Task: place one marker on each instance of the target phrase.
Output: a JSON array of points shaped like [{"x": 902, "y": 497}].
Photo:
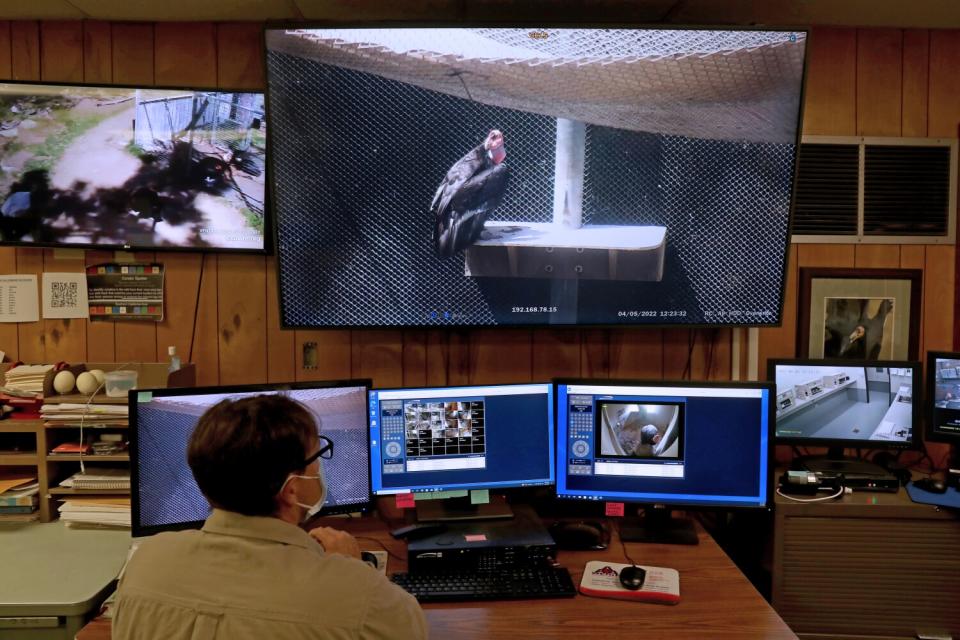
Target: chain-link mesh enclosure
[{"x": 358, "y": 157}]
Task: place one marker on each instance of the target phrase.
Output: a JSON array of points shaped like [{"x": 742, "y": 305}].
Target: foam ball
[
  {"x": 98, "y": 374},
  {"x": 63, "y": 382},
  {"x": 87, "y": 383}
]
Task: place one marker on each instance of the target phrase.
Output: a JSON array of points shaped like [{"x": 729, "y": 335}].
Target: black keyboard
[{"x": 502, "y": 584}]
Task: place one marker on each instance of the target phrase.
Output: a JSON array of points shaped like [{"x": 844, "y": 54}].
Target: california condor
[{"x": 472, "y": 189}]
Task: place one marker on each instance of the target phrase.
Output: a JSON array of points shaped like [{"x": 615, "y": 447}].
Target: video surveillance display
[
  {"x": 845, "y": 403},
  {"x": 628, "y": 430},
  {"x": 452, "y": 438},
  {"x": 90, "y": 166},
  {"x": 167, "y": 496},
  {"x": 532, "y": 176},
  {"x": 945, "y": 421}
]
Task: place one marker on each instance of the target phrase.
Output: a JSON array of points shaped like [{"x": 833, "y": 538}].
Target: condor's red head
[{"x": 494, "y": 146}]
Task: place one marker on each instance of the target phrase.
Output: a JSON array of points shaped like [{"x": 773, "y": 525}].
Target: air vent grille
[
  {"x": 906, "y": 190},
  {"x": 875, "y": 190},
  {"x": 826, "y": 195}
]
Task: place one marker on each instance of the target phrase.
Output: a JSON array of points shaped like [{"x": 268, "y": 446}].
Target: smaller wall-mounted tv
[{"x": 132, "y": 168}]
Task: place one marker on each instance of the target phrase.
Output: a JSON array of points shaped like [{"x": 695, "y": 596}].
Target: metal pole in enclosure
[{"x": 568, "y": 173}]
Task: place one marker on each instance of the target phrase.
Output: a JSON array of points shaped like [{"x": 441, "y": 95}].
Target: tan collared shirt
[{"x": 256, "y": 578}]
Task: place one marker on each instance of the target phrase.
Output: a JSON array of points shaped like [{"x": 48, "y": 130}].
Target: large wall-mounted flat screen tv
[
  {"x": 128, "y": 168},
  {"x": 532, "y": 176}
]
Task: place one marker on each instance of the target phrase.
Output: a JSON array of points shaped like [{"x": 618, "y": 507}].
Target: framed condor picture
[{"x": 861, "y": 314}]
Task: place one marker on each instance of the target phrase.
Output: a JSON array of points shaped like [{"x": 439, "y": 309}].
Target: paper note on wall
[{"x": 19, "y": 301}]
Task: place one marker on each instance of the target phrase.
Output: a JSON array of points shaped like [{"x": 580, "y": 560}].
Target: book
[
  {"x": 100, "y": 479},
  {"x": 26, "y": 497},
  {"x": 602, "y": 580},
  {"x": 72, "y": 448},
  {"x": 16, "y": 510}
]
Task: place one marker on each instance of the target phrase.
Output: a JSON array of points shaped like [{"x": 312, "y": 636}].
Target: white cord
[
  {"x": 86, "y": 409},
  {"x": 839, "y": 493}
]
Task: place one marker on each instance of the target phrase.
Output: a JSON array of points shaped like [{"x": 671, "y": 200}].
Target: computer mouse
[
  {"x": 632, "y": 577},
  {"x": 931, "y": 484},
  {"x": 579, "y": 536}
]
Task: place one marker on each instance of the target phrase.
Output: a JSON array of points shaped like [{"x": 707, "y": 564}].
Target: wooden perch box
[{"x": 550, "y": 251}]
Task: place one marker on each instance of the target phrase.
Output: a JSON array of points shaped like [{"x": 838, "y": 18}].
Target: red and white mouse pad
[{"x": 602, "y": 580}]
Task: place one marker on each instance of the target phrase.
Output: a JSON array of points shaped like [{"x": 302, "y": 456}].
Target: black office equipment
[
  {"x": 164, "y": 494},
  {"x": 664, "y": 445},
  {"x": 145, "y": 168},
  {"x": 511, "y": 583},
  {"x": 548, "y": 175},
  {"x": 841, "y": 404},
  {"x": 483, "y": 545}
]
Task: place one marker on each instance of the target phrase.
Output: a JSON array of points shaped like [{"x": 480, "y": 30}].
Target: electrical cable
[
  {"x": 624, "y": 544},
  {"x": 839, "y": 493}
]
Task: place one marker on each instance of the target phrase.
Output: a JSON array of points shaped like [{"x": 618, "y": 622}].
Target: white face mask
[{"x": 313, "y": 509}]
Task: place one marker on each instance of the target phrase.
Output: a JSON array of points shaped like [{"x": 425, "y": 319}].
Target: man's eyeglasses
[{"x": 325, "y": 451}]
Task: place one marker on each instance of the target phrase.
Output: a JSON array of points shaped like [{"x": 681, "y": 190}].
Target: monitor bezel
[
  {"x": 551, "y": 432},
  {"x": 700, "y": 384},
  {"x": 553, "y": 22},
  {"x": 930, "y": 432},
  {"x": 139, "y": 530},
  {"x": 269, "y": 224},
  {"x": 917, "y": 427}
]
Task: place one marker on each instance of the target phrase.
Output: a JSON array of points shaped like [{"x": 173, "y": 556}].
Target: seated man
[{"x": 251, "y": 572}]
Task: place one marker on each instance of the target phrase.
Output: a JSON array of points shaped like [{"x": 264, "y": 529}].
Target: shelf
[
  {"x": 20, "y": 426},
  {"x": 26, "y": 459},
  {"x": 86, "y": 425},
  {"x": 64, "y": 491},
  {"x": 90, "y": 457}
]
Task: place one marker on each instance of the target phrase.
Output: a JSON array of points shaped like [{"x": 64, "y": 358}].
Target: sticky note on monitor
[{"x": 481, "y": 496}]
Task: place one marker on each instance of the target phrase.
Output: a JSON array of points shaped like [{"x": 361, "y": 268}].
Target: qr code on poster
[{"x": 64, "y": 294}]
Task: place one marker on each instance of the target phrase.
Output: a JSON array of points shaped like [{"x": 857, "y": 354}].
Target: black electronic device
[
  {"x": 943, "y": 406},
  {"x": 478, "y": 175},
  {"x": 509, "y": 583},
  {"x": 417, "y": 531},
  {"x": 632, "y": 577},
  {"x": 933, "y": 485},
  {"x": 135, "y": 168},
  {"x": 484, "y": 545},
  {"x": 164, "y": 494},
  {"x": 580, "y": 535},
  {"x": 843, "y": 403},
  {"x": 655, "y": 443}
]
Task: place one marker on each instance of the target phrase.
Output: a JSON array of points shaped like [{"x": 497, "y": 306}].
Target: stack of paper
[
  {"x": 93, "y": 414},
  {"x": 99, "y": 479},
  {"x": 19, "y": 497},
  {"x": 27, "y": 378},
  {"x": 101, "y": 512}
]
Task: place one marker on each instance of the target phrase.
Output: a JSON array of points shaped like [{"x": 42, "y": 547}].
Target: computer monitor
[
  {"x": 431, "y": 439},
  {"x": 943, "y": 403},
  {"x": 164, "y": 493},
  {"x": 845, "y": 403},
  {"x": 674, "y": 444}
]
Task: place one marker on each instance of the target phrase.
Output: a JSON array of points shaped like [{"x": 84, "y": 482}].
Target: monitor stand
[
  {"x": 659, "y": 527},
  {"x": 835, "y": 463},
  {"x": 454, "y": 509}
]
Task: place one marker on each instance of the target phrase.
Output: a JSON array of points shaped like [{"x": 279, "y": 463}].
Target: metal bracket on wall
[{"x": 310, "y": 357}]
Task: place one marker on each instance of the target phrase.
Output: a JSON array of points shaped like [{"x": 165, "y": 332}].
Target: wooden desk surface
[{"x": 717, "y": 601}]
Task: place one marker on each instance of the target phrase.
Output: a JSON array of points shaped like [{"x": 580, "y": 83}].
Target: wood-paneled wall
[{"x": 221, "y": 310}]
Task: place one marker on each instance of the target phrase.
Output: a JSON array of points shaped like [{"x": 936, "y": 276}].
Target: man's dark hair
[{"x": 242, "y": 451}]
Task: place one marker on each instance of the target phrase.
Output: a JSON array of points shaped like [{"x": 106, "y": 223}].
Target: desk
[
  {"x": 717, "y": 601},
  {"x": 56, "y": 576}
]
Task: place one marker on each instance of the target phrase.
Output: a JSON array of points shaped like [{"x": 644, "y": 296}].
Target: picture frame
[{"x": 860, "y": 314}]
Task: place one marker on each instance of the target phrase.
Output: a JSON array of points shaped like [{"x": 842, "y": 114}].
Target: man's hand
[{"x": 335, "y": 541}]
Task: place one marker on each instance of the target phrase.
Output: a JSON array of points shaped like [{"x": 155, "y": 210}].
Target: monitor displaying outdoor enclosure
[
  {"x": 117, "y": 167},
  {"x": 532, "y": 176}
]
